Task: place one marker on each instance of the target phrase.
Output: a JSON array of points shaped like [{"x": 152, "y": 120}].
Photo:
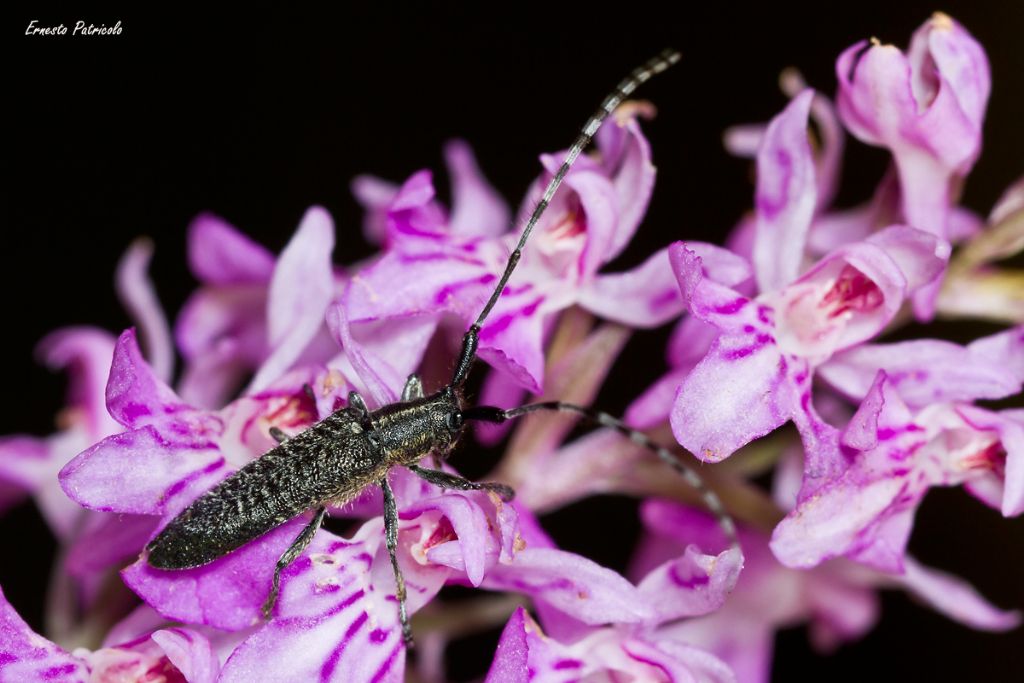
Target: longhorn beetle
[{"x": 334, "y": 460}]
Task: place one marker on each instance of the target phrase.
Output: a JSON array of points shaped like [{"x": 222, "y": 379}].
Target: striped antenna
[
  {"x": 638, "y": 76},
  {"x": 710, "y": 498}
]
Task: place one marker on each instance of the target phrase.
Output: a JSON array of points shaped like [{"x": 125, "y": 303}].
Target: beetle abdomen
[{"x": 329, "y": 462}]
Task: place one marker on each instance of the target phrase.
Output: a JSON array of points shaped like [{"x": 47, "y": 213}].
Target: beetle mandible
[{"x": 331, "y": 462}]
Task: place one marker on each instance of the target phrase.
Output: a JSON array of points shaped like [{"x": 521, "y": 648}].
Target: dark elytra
[{"x": 334, "y": 460}]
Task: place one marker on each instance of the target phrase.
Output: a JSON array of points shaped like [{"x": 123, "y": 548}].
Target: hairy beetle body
[{"x": 328, "y": 464}]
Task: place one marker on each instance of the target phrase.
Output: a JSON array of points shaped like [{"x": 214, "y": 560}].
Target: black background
[{"x": 257, "y": 115}]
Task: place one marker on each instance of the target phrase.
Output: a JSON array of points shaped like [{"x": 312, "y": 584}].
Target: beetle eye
[{"x": 454, "y": 421}]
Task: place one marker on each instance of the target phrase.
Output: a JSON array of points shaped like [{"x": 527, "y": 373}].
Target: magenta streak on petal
[
  {"x": 327, "y": 670},
  {"x": 348, "y": 602},
  {"x": 127, "y": 438},
  {"x": 183, "y": 633},
  {"x": 62, "y": 670},
  {"x": 300, "y": 566},
  {"x": 764, "y": 314},
  {"x": 338, "y": 545},
  {"x": 770, "y": 208},
  {"x": 687, "y": 582},
  {"x": 504, "y": 322},
  {"x": 135, "y": 642},
  {"x": 742, "y": 352},
  {"x": 421, "y": 258},
  {"x": 378, "y": 635},
  {"x": 649, "y": 662},
  {"x": 514, "y": 290},
  {"x": 556, "y": 585},
  {"x": 386, "y": 666},
  {"x": 340, "y": 607},
  {"x": 901, "y": 472},
  {"x": 133, "y": 411},
  {"x": 177, "y": 486},
  {"x": 562, "y": 664},
  {"x": 408, "y": 229},
  {"x": 7, "y": 658},
  {"x": 733, "y": 306},
  {"x": 449, "y": 290}
]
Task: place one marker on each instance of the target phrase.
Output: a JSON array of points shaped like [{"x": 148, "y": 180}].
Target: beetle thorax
[{"x": 406, "y": 432}]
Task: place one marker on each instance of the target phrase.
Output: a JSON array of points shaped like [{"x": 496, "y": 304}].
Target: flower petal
[
  {"x": 786, "y": 195},
  {"x": 375, "y": 195},
  {"x": 1009, "y": 425},
  {"x": 654, "y": 405},
  {"x": 477, "y": 208},
  {"x": 219, "y": 254},
  {"x": 691, "y": 585},
  {"x": 427, "y": 283},
  {"x": 300, "y": 291},
  {"x": 190, "y": 652},
  {"x": 25, "y": 462},
  {"x": 571, "y": 584},
  {"x": 957, "y": 599},
  {"x": 867, "y": 511},
  {"x": 470, "y": 523},
  {"x": 737, "y": 393},
  {"x": 86, "y": 353},
  {"x": 626, "y": 155},
  {"x": 336, "y": 619},
  {"x": 646, "y": 296},
  {"x": 141, "y": 472},
  {"x": 512, "y": 340},
  {"x": 224, "y": 594},
  {"x": 927, "y": 371},
  {"x": 379, "y": 380},
  {"x": 915, "y": 252},
  {"x": 524, "y": 655},
  {"x": 27, "y": 656},
  {"x": 108, "y": 541},
  {"x": 138, "y": 295},
  {"x": 135, "y": 395}
]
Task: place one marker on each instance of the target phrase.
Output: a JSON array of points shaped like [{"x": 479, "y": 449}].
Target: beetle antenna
[
  {"x": 638, "y": 76},
  {"x": 710, "y": 498}
]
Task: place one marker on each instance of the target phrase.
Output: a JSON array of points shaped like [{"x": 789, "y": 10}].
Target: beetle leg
[
  {"x": 356, "y": 402},
  {"x": 294, "y": 550},
  {"x": 453, "y": 481},
  {"x": 279, "y": 436},
  {"x": 413, "y": 389},
  {"x": 391, "y": 534}
]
